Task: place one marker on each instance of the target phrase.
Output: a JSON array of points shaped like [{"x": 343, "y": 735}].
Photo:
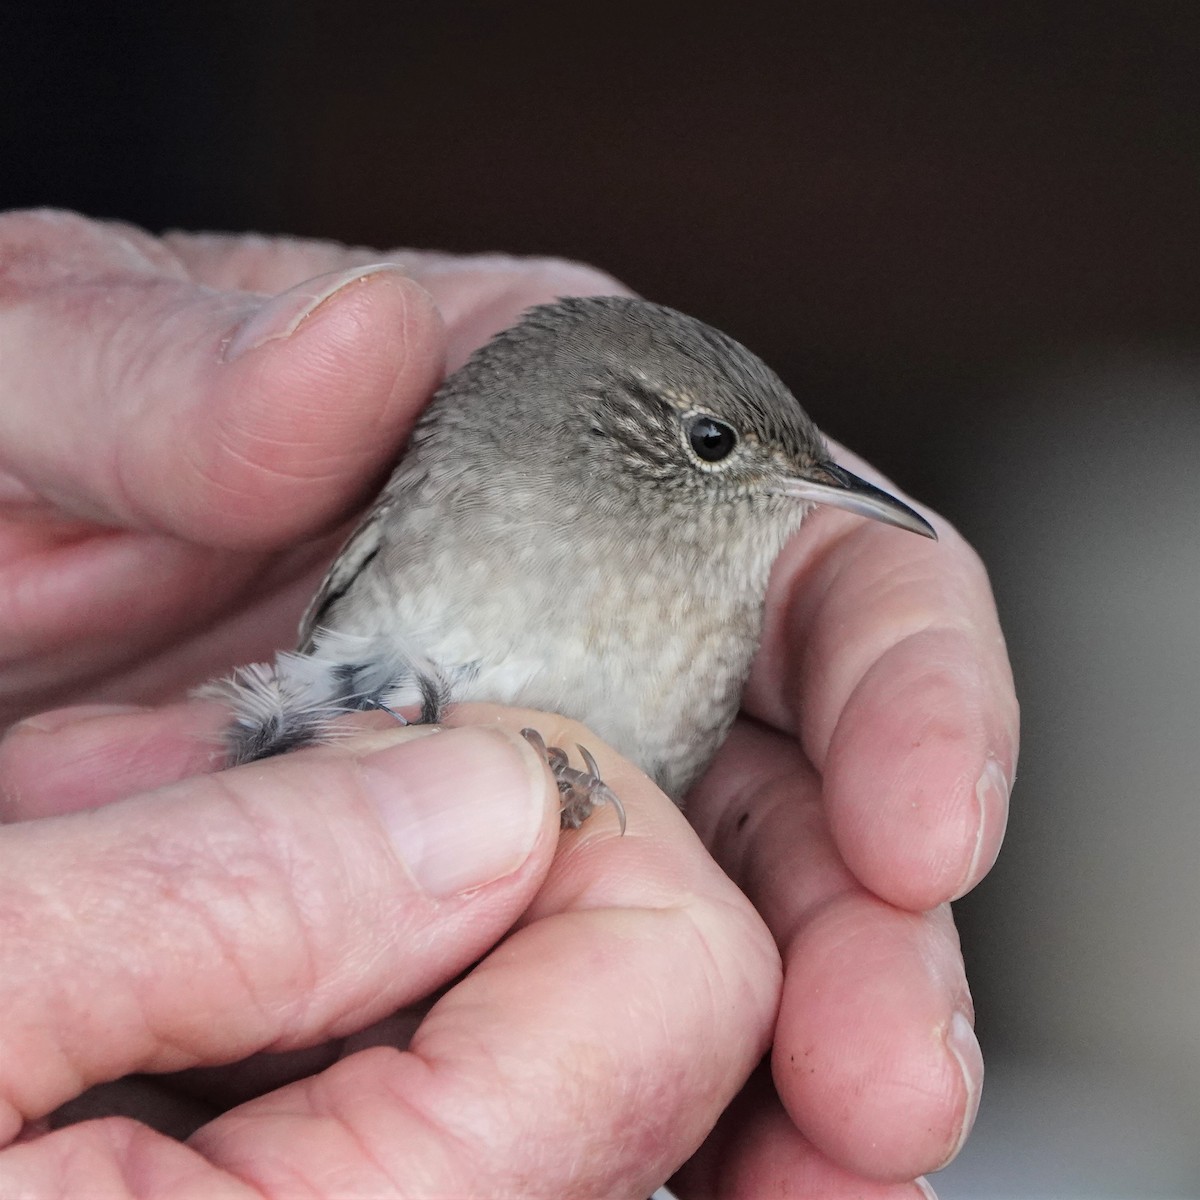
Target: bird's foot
[
  {"x": 579, "y": 792},
  {"x": 379, "y": 706}
]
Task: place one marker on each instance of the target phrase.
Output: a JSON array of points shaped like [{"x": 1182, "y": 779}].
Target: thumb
[
  {"x": 133, "y": 396},
  {"x": 263, "y": 908}
]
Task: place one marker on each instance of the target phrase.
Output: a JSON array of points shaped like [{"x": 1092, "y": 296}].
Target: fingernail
[
  {"x": 462, "y": 809},
  {"x": 282, "y": 315},
  {"x": 963, "y": 1046},
  {"x": 925, "y": 1188},
  {"x": 991, "y": 798}
]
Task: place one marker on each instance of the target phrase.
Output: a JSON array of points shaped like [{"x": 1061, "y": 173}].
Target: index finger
[
  {"x": 136, "y": 397},
  {"x": 883, "y": 654}
]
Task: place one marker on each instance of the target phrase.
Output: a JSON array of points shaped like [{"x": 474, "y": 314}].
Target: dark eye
[{"x": 712, "y": 440}]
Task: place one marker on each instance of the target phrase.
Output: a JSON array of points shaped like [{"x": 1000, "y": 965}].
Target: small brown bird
[{"x": 583, "y": 522}]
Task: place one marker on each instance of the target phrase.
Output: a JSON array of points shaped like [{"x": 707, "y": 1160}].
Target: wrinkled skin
[{"x": 181, "y": 448}]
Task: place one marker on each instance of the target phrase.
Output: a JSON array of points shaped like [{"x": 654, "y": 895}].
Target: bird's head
[{"x": 637, "y": 401}]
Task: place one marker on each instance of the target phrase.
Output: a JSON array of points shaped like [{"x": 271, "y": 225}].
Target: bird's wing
[{"x": 358, "y": 551}]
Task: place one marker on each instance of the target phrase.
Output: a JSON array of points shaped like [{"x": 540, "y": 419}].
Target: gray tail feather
[{"x": 298, "y": 700}]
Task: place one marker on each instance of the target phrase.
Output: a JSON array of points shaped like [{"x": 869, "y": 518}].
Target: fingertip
[
  {"x": 865, "y": 1056},
  {"x": 123, "y": 409},
  {"x": 992, "y": 794},
  {"x": 756, "y": 1145},
  {"x": 917, "y": 814},
  {"x": 55, "y": 720},
  {"x": 70, "y": 759},
  {"x": 316, "y": 394},
  {"x": 963, "y": 1048},
  {"x": 280, "y": 317},
  {"x": 461, "y": 809}
]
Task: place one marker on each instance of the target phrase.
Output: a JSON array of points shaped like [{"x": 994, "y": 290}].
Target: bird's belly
[
  {"x": 663, "y": 701},
  {"x": 653, "y": 673}
]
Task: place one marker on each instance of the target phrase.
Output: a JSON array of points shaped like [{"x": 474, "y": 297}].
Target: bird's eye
[{"x": 712, "y": 440}]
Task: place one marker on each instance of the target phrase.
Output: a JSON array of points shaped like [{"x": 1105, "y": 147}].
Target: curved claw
[
  {"x": 600, "y": 790},
  {"x": 580, "y": 791},
  {"x": 556, "y": 758},
  {"x": 593, "y": 767},
  {"x": 391, "y": 712}
]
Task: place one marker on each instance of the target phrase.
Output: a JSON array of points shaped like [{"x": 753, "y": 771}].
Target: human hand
[
  {"x": 267, "y": 915},
  {"x": 175, "y": 438},
  {"x": 867, "y": 787},
  {"x": 882, "y": 663}
]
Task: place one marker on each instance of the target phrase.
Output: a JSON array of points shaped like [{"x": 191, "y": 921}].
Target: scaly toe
[{"x": 579, "y": 792}]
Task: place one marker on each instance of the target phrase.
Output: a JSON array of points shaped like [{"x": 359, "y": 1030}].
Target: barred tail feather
[
  {"x": 272, "y": 712},
  {"x": 298, "y": 700}
]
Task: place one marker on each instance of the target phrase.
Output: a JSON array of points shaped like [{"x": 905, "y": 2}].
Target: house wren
[{"x": 583, "y": 522}]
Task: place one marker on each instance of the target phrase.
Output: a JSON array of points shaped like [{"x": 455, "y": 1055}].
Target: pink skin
[
  {"x": 152, "y": 495},
  {"x": 252, "y": 910}
]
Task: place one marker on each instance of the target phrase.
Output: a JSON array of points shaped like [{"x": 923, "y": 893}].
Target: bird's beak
[{"x": 827, "y": 483}]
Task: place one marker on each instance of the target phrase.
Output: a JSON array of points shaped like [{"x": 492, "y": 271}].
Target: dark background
[{"x": 965, "y": 234}]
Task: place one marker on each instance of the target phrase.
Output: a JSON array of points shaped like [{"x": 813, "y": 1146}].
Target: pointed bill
[{"x": 827, "y": 483}]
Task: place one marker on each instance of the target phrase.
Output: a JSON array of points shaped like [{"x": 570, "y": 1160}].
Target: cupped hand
[
  {"x": 866, "y": 788},
  {"x": 282, "y": 911},
  {"x": 187, "y": 422}
]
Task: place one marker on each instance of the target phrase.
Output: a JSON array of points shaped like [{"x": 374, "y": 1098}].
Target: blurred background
[{"x": 965, "y": 234}]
